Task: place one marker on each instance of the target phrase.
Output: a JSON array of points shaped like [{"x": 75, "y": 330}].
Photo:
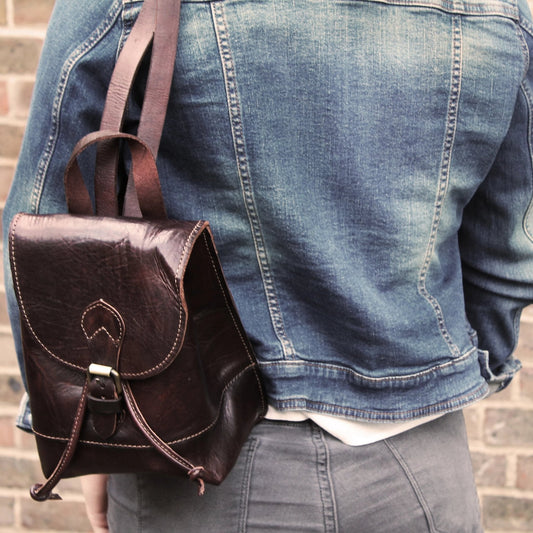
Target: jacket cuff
[
  {"x": 23, "y": 420},
  {"x": 500, "y": 378}
]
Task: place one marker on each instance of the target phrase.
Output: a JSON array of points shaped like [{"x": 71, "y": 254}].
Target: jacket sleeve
[{"x": 496, "y": 239}]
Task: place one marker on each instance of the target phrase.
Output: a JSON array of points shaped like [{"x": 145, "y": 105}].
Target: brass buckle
[{"x": 100, "y": 370}]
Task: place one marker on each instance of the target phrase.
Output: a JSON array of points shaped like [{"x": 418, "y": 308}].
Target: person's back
[{"x": 335, "y": 146}]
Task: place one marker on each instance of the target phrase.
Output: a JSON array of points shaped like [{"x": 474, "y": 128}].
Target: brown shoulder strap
[
  {"x": 160, "y": 76},
  {"x": 157, "y": 92}
]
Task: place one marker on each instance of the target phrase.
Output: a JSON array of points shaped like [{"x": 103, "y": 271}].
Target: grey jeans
[{"x": 294, "y": 477}]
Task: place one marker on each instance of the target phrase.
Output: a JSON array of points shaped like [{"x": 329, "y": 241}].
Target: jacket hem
[{"x": 334, "y": 390}]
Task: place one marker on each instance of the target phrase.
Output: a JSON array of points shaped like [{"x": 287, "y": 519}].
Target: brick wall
[
  {"x": 501, "y": 428},
  {"x": 22, "y": 29}
]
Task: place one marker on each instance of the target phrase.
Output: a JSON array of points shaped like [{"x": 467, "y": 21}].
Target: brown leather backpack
[{"x": 135, "y": 356}]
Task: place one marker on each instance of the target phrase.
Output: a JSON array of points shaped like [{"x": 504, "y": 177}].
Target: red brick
[
  {"x": 508, "y": 427},
  {"x": 507, "y": 514},
  {"x": 32, "y": 12},
  {"x": 10, "y": 140},
  {"x": 473, "y": 422},
  {"x": 7, "y": 432},
  {"x": 6, "y": 177},
  {"x": 21, "y": 98},
  {"x": 3, "y": 18},
  {"x": 7, "y": 515},
  {"x": 526, "y": 384},
  {"x": 524, "y": 350},
  {"x": 11, "y": 389},
  {"x": 20, "y": 472},
  {"x": 8, "y": 356},
  {"x": 525, "y": 473},
  {"x": 489, "y": 470},
  {"x": 506, "y": 395},
  {"x": 25, "y": 440},
  {"x": 4, "y": 317},
  {"x": 19, "y": 55},
  {"x": 4, "y": 100}
]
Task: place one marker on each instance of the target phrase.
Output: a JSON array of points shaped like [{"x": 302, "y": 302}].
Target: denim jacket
[{"x": 367, "y": 170}]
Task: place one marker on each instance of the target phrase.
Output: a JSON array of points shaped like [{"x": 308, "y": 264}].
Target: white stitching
[
  {"x": 230, "y": 311},
  {"x": 107, "y": 307},
  {"x": 21, "y": 299},
  {"x": 215, "y": 420},
  {"x": 69, "y": 65},
  {"x": 162, "y": 363},
  {"x": 243, "y": 170},
  {"x": 453, "y": 105}
]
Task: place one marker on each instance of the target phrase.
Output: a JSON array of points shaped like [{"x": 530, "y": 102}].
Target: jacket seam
[
  {"x": 68, "y": 67},
  {"x": 243, "y": 169},
  {"x": 414, "y": 485},
  {"x": 457, "y": 7},
  {"x": 529, "y": 211},
  {"x": 128, "y": 21},
  {"x": 520, "y": 29},
  {"x": 526, "y": 25},
  {"x": 248, "y": 459},
  {"x": 449, "y": 139},
  {"x": 325, "y": 481},
  {"x": 528, "y": 230},
  {"x": 382, "y": 380},
  {"x": 506, "y": 9}
]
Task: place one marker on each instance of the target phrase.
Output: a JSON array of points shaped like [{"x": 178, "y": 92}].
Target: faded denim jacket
[{"x": 367, "y": 170}]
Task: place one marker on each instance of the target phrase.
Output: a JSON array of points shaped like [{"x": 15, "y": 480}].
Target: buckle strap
[{"x": 105, "y": 392}]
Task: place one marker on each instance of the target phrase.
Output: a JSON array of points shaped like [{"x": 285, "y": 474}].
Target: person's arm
[
  {"x": 95, "y": 492},
  {"x": 497, "y": 240}
]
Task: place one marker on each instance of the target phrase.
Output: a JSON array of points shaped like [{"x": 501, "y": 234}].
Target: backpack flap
[{"x": 78, "y": 277}]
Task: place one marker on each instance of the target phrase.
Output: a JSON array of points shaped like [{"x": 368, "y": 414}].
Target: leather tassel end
[
  {"x": 38, "y": 496},
  {"x": 194, "y": 475}
]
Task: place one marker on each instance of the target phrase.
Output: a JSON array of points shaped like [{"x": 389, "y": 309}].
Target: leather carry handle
[
  {"x": 143, "y": 172},
  {"x": 157, "y": 24}
]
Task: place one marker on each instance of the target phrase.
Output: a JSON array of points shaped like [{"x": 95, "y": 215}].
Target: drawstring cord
[{"x": 194, "y": 475}]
